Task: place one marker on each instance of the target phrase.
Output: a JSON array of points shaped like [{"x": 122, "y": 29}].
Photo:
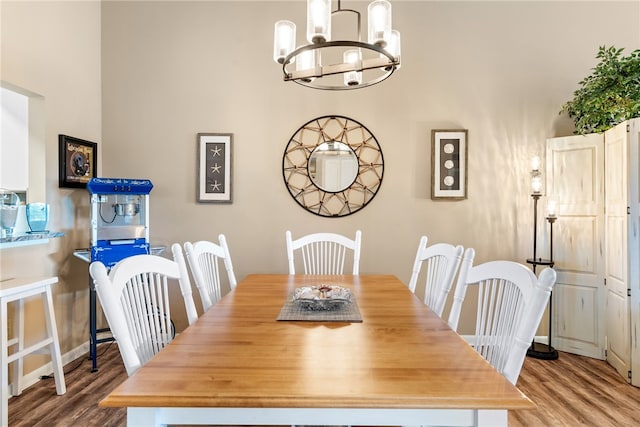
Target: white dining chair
[
  {"x": 324, "y": 253},
  {"x": 204, "y": 258},
  {"x": 441, "y": 262},
  {"x": 461, "y": 290},
  {"x": 135, "y": 298},
  {"x": 511, "y": 302}
]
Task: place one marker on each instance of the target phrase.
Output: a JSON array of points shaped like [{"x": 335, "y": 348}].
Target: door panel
[
  {"x": 571, "y": 336},
  {"x": 575, "y": 180},
  {"x": 616, "y": 257},
  {"x": 575, "y": 172},
  {"x": 576, "y": 244},
  {"x": 576, "y": 294},
  {"x": 616, "y": 266},
  {"x": 633, "y": 243},
  {"x": 618, "y": 351}
]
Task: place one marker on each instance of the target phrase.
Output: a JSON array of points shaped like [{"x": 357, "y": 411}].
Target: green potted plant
[{"x": 610, "y": 95}]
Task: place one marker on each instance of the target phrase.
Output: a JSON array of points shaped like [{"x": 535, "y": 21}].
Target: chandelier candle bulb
[
  {"x": 352, "y": 78},
  {"x": 284, "y": 40},
  {"x": 394, "y": 46},
  {"x": 307, "y": 61},
  {"x": 379, "y": 13},
  {"x": 318, "y": 21}
]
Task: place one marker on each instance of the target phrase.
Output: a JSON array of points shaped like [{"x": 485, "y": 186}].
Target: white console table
[{"x": 17, "y": 290}]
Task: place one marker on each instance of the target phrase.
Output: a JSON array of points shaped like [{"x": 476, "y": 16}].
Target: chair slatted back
[
  {"x": 324, "y": 253},
  {"x": 441, "y": 263},
  {"x": 135, "y": 298},
  {"x": 204, "y": 259},
  {"x": 500, "y": 313},
  {"x": 145, "y": 302},
  {"x": 510, "y": 305}
]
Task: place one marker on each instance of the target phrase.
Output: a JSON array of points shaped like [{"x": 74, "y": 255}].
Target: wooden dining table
[{"x": 238, "y": 364}]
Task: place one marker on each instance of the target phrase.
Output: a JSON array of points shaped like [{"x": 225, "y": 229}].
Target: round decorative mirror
[{"x": 333, "y": 166}]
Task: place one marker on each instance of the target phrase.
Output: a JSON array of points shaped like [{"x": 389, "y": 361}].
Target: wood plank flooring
[
  {"x": 571, "y": 391},
  {"x": 576, "y": 391},
  {"x": 40, "y": 406}
]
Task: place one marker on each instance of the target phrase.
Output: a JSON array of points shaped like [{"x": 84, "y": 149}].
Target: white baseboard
[{"x": 34, "y": 376}]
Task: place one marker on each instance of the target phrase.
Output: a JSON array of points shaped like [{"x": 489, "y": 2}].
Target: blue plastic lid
[{"x": 119, "y": 186}]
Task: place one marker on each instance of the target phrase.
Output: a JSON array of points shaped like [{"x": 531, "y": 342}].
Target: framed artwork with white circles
[{"x": 449, "y": 164}]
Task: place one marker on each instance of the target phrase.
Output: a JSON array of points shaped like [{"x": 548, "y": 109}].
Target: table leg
[
  {"x": 496, "y": 417},
  {"x": 143, "y": 417}
]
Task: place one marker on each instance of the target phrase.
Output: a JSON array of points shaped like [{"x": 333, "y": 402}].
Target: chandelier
[{"x": 341, "y": 64}]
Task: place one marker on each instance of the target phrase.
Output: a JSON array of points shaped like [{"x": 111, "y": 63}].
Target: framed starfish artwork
[{"x": 214, "y": 168}]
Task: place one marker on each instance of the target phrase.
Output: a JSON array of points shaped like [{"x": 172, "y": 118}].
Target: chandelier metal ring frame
[
  {"x": 388, "y": 63},
  {"x": 296, "y": 166}
]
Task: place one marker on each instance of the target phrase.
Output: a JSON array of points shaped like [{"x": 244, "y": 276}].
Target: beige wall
[
  {"x": 53, "y": 49},
  {"x": 169, "y": 70},
  {"x": 502, "y": 70}
]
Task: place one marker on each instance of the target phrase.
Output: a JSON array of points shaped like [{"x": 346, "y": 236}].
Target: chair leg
[
  {"x": 18, "y": 364},
  {"x": 54, "y": 347},
  {"x": 4, "y": 365}
]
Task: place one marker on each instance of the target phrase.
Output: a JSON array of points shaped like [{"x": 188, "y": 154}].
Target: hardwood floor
[
  {"x": 40, "y": 406},
  {"x": 571, "y": 391},
  {"x": 576, "y": 391}
]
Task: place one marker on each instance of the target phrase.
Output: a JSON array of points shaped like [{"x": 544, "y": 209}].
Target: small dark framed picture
[
  {"x": 214, "y": 168},
  {"x": 78, "y": 161},
  {"x": 449, "y": 164}
]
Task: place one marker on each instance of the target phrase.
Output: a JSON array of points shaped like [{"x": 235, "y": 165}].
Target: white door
[
  {"x": 616, "y": 249},
  {"x": 575, "y": 169},
  {"x": 634, "y": 246}
]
